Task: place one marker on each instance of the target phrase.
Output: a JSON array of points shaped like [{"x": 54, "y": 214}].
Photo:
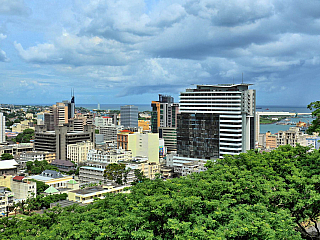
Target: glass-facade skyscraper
[{"x": 129, "y": 116}]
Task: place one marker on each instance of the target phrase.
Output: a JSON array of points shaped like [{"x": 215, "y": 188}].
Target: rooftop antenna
[
  {"x": 242, "y": 78},
  {"x": 233, "y": 80}
]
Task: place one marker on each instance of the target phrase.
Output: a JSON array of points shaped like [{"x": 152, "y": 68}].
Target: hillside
[{"x": 250, "y": 196}]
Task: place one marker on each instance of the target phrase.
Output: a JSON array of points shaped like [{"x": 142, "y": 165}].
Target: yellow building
[
  {"x": 20, "y": 127},
  {"x": 145, "y": 124},
  {"x": 87, "y": 195},
  {"x": 140, "y": 144},
  {"x": 5, "y": 181},
  {"x": 49, "y": 157},
  {"x": 271, "y": 140},
  {"x": 53, "y": 178}
]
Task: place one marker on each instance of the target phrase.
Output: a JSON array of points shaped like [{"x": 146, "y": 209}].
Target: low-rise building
[
  {"x": 52, "y": 178},
  {"x": 88, "y": 195},
  {"x": 188, "y": 168},
  {"x": 271, "y": 140},
  {"x": 91, "y": 174},
  {"x": 6, "y": 199},
  {"x": 8, "y": 167},
  {"x": 102, "y": 121},
  {"x": 16, "y": 148},
  {"x": 110, "y": 156},
  {"x": 24, "y": 157},
  {"x": 149, "y": 169},
  {"x": 23, "y": 188},
  {"x": 145, "y": 124},
  {"x": 63, "y": 165},
  {"x": 313, "y": 142}
]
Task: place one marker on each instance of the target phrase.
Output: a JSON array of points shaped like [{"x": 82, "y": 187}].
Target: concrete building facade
[
  {"x": 58, "y": 140},
  {"x": 78, "y": 152}
]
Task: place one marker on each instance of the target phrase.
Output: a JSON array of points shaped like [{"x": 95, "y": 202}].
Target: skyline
[{"x": 120, "y": 52}]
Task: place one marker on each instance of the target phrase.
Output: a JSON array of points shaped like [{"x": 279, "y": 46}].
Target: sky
[{"x": 128, "y": 52}]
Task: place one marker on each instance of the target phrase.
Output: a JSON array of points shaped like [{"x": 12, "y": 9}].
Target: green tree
[
  {"x": 6, "y": 156},
  {"x": 315, "y": 126},
  {"x": 41, "y": 186},
  {"x": 25, "y": 136},
  {"x": 116, "y": 172}
]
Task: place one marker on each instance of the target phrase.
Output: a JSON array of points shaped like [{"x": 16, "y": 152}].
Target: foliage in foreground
[{"x": 250, "y": 196}]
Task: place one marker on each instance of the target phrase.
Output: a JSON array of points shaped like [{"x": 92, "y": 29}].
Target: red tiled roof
[
  {"x": 18, "y": 178},
  {"x": 125, "y": 130}
]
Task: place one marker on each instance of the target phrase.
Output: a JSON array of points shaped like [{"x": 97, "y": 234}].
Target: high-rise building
[
  {"x": 46, "y": 119},
  {"x": 2, "y": 128},
  {"x": 164, "y": 113},
  {"x": 215, "y": 120},
  {"x": 63, "y": 111},
  {"x": 129, "y": 116}
]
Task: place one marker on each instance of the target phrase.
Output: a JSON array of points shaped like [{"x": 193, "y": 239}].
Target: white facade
[
  {"x": 110, "y": 132},
  {"x": 102, "y": 121},
  {"x": 2, "y": 128},
  {"x": 234, "y": 105},
  {"x": 112, "y": 156},
  {"x": 78, "y": 152}
]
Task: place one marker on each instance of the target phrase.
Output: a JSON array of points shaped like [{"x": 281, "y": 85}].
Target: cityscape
[{"x": 150, "y": 119}]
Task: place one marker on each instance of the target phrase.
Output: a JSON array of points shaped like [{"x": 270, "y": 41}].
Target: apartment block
[
  {"x": 23, "y": 188},
  {"x": 102, "y": 121},
  {"x": 78, "y": 152},
  {"x": 110, "y": 156},
  {"x": 6, "y": 199},
  {"x": 110, "y": 132}
]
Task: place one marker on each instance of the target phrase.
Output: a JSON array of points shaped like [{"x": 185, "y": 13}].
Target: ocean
[
  {"x": 141, "y": 107},
  {"x": 274, "y": 128}
]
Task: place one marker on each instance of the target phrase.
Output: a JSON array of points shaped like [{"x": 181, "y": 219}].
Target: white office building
[{"x": 216, "y": 120}]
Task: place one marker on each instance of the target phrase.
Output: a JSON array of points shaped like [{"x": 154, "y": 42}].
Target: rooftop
[{"x": 8, "y": 164}]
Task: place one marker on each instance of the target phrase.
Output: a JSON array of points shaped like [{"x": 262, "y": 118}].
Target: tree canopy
[
  {"x": 116, "y": 172},
  {"x": 25, "y": 136},
  {"x": 315, "y": 126},
  {"x": 6, "y": 156},
  {"x": 38, "y": 167},
  {"x": 253, "y": 195}
]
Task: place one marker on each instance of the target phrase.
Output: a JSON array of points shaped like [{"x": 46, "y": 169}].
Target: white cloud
[{"x": 165, "y": 47}]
